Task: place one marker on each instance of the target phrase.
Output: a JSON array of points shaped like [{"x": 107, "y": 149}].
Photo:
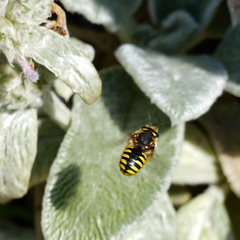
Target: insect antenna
[
  {"x": 149, "y": 119},
  {"x": 164, "y": 124},
  {"x": 150, "y": 123}
]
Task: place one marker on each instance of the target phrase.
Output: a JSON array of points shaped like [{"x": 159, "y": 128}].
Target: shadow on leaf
[
  {"x": 65, "y": 187},
  {"x": 126, "y": 103}
]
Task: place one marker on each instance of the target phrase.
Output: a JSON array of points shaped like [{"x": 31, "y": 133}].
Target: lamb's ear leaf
[
  {"x": 111, "y": 14},
  {"x": 204, "y": 216},
  {"x": 179, "y": 195},
  {"x": 32, "y": 12},
  {"x": 178, "y": 25},
  {"x": 64, "y": 57},
  {"x": 86, "y": 194},
  {"x": 198, "y": 163},
  {"x": 16, "y": 94},
  {"x": 202, "y": 11},
  {"x": 184, "y": 87},
  {"x": 62, "y": 89},
  {"x": 151, "y": 226},
  {"x": 18, "y": 147},
  {"x": 55, "y": 108},
  {"x": 66, "y": 60}
]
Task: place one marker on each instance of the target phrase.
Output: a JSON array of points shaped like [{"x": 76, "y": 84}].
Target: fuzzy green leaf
[
  {"x": 157, "y": 222},
  {"x": 60, "y": 55},
  {"x": 29, "y": 11},
  {"x": 179, "y": 24},
  {"x": 55, "y": 108},
  {"x": 14, "y": 93},
  {"x": 201, "y": 11},
  {"x": 110, "y": 13},
  {"x": 86, "y": 196},
  {"x": 184, "y": 87},
  {"x": 64, "y": 59},
  {"x": 62, "y": 89},
  {"x": 227, "y": 53},
  {"x": 7, "y": 36},
  {"x": 83, "y": 47},
  {"x": 179, "y": 195},
  {"x": 205, "y": 217},
  {"x": 18, "y": 146},
  {"x": 3, "y": 6},
  {"x": 176, "y": 30},
  {"x": 198, "y": 163}
]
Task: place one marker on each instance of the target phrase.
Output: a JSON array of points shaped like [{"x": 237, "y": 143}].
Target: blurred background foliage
[{"x": 64, "y": 121}]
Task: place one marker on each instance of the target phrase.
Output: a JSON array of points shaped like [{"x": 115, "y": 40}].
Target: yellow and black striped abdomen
[{"x": 132, "y": 160}]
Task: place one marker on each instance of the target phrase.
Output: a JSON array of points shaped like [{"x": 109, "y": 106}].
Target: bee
[{"x": 139, "y": 149}]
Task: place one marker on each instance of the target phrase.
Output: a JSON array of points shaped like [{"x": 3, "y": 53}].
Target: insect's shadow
[{"x": 66, "y": 185}]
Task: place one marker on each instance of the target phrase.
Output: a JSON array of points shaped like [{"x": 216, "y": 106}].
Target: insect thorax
[{"x": 144, "y": 140}]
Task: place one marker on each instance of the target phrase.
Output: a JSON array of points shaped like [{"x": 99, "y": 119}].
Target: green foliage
[
  {"x": 18, "y": 151},
  {"x": 227, "y": 53},
  {"x": 72, "y": 145},
  {"x": 210, "y": 219},
  {"x": 198, "y": 163},
  {"x": 123, "y": 200},
  {"x": 164, "y": 79},
  {"x": 110, "y": 13}
]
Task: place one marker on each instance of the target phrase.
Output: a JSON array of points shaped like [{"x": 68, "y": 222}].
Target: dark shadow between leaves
[
  {"x": 50, "y": 136},
  {"x": 65, "y": 187},
  {"x": 116, "y": 94},
  {"x": 222, "y": 124},
  {"x": 207, "y": 63}
]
